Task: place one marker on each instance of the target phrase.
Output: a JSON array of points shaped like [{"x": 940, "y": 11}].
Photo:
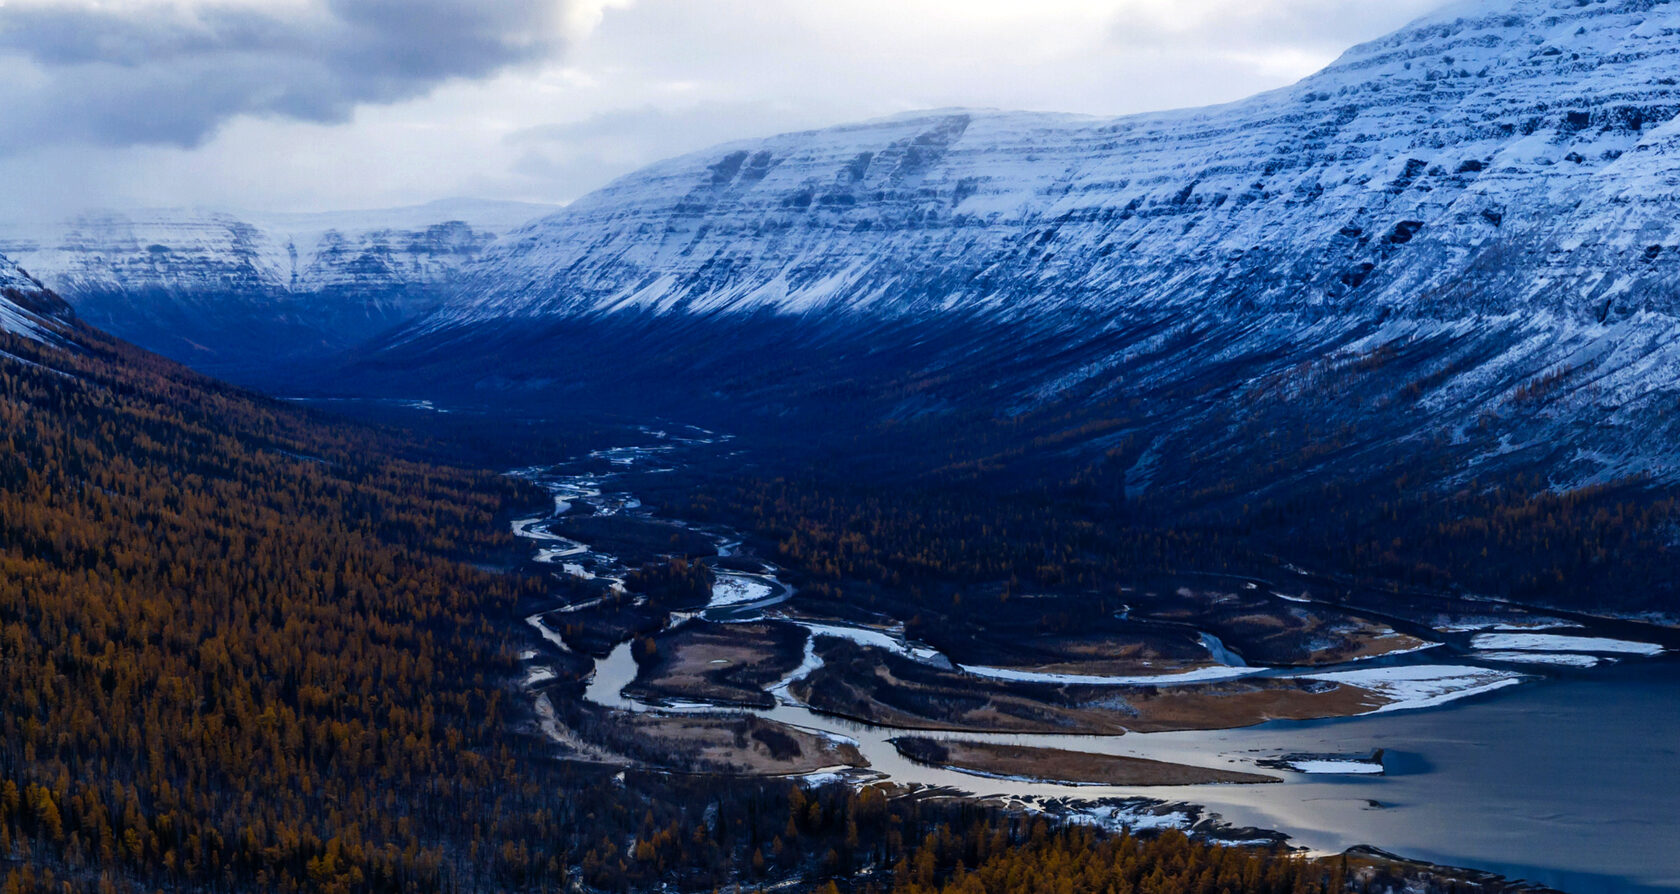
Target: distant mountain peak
[{"x": 244, "y": 294}]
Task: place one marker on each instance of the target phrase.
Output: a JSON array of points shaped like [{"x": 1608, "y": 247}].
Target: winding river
[{"x": 1569, "y": 779}]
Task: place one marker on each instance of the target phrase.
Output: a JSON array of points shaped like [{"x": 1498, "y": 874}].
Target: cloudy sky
[{"x": 302, "y": 105}]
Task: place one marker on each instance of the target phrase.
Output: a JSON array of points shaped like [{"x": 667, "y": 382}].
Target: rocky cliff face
[
  {"x": 1491, "y": 193},
  {"x": 244, "y": 293}
]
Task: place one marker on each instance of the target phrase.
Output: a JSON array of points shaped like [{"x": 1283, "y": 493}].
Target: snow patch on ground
[
  {"x": 734, "y": 589},
  {"x": 1137, "y": 818},
  {"x": 1197, "y": 675},
  {"x": 878, "y": 638},
  {"x": 1553, "y": 642},
  {"x": 538, "y": 675},
  {"x": 1446, "y": 624},
  {"x": 863, "y": 636},
  {"x": 1561, "y": 659},
  {"x": 1363, "y": 768},
  {"x": 1422, "y": 686}
]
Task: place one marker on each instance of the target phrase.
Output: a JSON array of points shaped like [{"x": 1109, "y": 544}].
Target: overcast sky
[{"x": 303, "y": 105}]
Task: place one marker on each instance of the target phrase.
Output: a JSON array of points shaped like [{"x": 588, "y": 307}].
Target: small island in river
[{"x": 1055, "y": 765}]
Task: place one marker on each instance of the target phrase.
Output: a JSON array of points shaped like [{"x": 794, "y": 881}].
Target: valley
[
  {"x": 1279, "y": 496},
  {"x": 1159, "y": 716}
]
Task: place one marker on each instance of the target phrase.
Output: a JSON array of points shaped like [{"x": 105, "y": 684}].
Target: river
[{"x": 1569, "y": 779}]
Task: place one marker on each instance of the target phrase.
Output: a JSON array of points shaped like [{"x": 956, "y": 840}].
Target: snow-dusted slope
[
  {"x": 27, "y": 308},
  {"x": 14, "y": 279},
  {"x": 195, "y": 249},
  {"x": 211, "y": 287},
  {"x": 1500, "y": 155}
]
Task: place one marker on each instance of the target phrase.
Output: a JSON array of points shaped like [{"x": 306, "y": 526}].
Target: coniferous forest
[
  {"x": 920, "y": 447},
  {"x": 248, "y": 646}
]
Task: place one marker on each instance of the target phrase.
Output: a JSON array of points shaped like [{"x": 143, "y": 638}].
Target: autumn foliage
[{"x": 236, "y": 643}]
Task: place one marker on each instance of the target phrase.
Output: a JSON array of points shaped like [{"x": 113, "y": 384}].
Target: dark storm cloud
[{"x": 173, "y": 74}]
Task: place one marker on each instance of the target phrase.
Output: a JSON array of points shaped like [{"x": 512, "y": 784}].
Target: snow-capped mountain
[
  {"x": 1535, "y": 137},
  {"x": 238, "y": 291},
  {"x": 1493, "y": 192}
]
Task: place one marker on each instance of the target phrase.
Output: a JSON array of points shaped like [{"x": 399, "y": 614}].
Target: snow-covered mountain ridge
[
  {"x": 211, "y": 286},
  {"x": 187, "y": 248},
  {"x": 1499, "y": 155}
]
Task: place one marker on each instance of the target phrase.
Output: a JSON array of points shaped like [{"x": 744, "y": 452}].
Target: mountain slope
[
  {"x": 1392, "y": 179},
  {"x": 243, "y": 294},
  {"x": 1492, "y": 192},
  {"x": 27, "y": 308}
]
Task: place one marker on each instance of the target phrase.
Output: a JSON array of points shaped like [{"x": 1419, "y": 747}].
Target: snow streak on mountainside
[
  {"x": 27, "y": 308},
  {"x": 1492, "y": 192},
  {"x": 216, "y": 288},
  {"x": 14, "y": 280}
]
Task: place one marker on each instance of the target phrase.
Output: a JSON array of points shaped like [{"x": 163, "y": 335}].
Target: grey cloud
[
  {"x": 1242, "y": 26},
  {"x": 173, "y": 74},
  {"x": 577, "y": 156}
]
